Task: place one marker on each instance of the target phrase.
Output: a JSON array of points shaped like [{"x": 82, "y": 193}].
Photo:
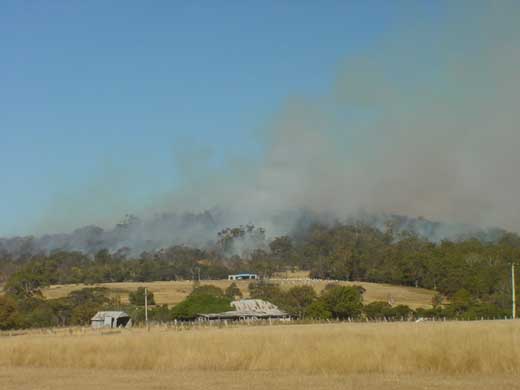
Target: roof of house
[
  {"x": 100, "y": 315},
  {"x": 258, "y": 305},
  {"x": 243, "y": 274},
  {"x": 250, "y": 308}
]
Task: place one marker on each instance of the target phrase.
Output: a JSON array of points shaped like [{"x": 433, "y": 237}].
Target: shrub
[
  {"x": 318, "y": 311},
  {"x": 377, "y": 310},
  {"x": 8, "y": 313},
  {"x": 137, "y": 297},
  {"x": 160, "y": 313},
  {"x": 436, "y": 312},
  {"x": 233, "y": 291},
  {"x": 202, "y": 300},
  {"x": 298, "y": 299},
  {"x": 343, "y": 301},
  {"x": 484, "y": 310},
  {"x": 400, "y": 312},
  {"x": 82, "y": 314},
  {"x": 200, "y": 304},
  {"x": 267, "y": 291}
]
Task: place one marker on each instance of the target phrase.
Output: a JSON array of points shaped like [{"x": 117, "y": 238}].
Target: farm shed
[
  {"x": 243, "y": 277},
  {"x": 247, "y": 309},
  {"x": 111, "y": 319}
]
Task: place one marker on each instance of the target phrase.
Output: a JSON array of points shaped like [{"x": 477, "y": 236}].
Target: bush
[
  {"x": 484, "y": 310},
  {"x": 400, "y": 312},
  {"x": 233, "y": 291},
  {"x": 318, "y": 311},
  {"x": 8, "y": 313},
  {"x": 377, "y": 310},
  {"x": 436, "y": 312},
  {"x": 343, "y": 301},
  {"x": 460, "y": 302},
  {"x": 267, "y": 291},
  {"x": 160, "y": 314},
  {"x": 297, "y": 300},
  {"x": 137, "y": 297},
  {"x": 202, "y": 300},
  {"x": 82, "y": 314},
  {"x": 42, "y": 315},
  {"x": 200, "y": 304}
]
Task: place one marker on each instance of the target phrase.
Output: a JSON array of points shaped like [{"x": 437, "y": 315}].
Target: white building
[
  {"x": 243, "y": 277},
  {"x": 111, "y": 319}
]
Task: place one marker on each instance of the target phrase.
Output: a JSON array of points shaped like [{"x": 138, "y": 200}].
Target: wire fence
[{"x": 182, "y": 326}]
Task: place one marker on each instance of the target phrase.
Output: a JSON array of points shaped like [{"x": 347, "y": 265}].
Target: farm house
[
  {"x": 111, "y": 319},
  {"x": 243, "y": 277},
  {"x": 247, "y": 309}
]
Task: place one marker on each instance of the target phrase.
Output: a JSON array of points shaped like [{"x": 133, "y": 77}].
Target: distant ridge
[{"x": 135, "y": 235}]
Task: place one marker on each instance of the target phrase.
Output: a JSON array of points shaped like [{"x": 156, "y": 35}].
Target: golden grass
[
  {"x": 171, "y": 293},
  {"x": 86, "y": 379},
  {"x": 292, "y": 275},
  {"x": 451, "y": 348}
]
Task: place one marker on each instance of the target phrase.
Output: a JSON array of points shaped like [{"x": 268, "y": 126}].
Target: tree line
[
  {"x": 335, "y": 302},
  {"x": 475, "y": 273}
]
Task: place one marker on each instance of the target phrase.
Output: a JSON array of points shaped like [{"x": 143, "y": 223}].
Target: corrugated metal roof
[
  {"x": 249, "y": 308},
  {"x": 100, "y": 315},
  {"x": 253, "y": 305}
]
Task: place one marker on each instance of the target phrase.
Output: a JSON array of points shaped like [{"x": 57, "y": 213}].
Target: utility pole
[
  {"x": 513, "y": 289},
  {"x": 146, "y": 307}
]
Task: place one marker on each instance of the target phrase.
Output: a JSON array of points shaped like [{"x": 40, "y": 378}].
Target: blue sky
[{"x": 96, "y": 90}]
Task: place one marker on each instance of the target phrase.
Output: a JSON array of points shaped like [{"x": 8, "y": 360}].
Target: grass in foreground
[
  {"x": 87, "y": 379},
  {"x": 390, "y": 356},
  {"x": 451, "y": 348}
]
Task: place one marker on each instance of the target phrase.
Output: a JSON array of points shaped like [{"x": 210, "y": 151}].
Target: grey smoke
[{"x": 425, "y": 123}]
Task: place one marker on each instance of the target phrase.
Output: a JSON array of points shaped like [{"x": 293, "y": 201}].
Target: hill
[{"x": 173, "y": 292}]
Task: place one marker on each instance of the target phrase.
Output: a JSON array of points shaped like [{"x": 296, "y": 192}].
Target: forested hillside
[{"x": 474, "y": 268}]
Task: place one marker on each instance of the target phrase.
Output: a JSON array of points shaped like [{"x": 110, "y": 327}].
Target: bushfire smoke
[{"x": 424, "y": 123}]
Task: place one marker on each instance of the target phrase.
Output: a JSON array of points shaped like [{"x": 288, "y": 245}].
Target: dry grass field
[
  {"x": 171, "y": 293},
  {"x": 450, "y": 355},
  {"x": 87, "y": 379}
]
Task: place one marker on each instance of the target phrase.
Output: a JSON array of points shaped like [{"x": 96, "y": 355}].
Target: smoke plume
[{"x": 424, "y": 123}]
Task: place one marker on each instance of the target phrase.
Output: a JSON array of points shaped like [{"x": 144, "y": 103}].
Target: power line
[
  {"x": 146, "y": 307},
  {"x": 513, "y": 289}
]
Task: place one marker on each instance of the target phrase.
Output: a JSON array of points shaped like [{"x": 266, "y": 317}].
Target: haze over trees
[{"x": 472, "y": 274}]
